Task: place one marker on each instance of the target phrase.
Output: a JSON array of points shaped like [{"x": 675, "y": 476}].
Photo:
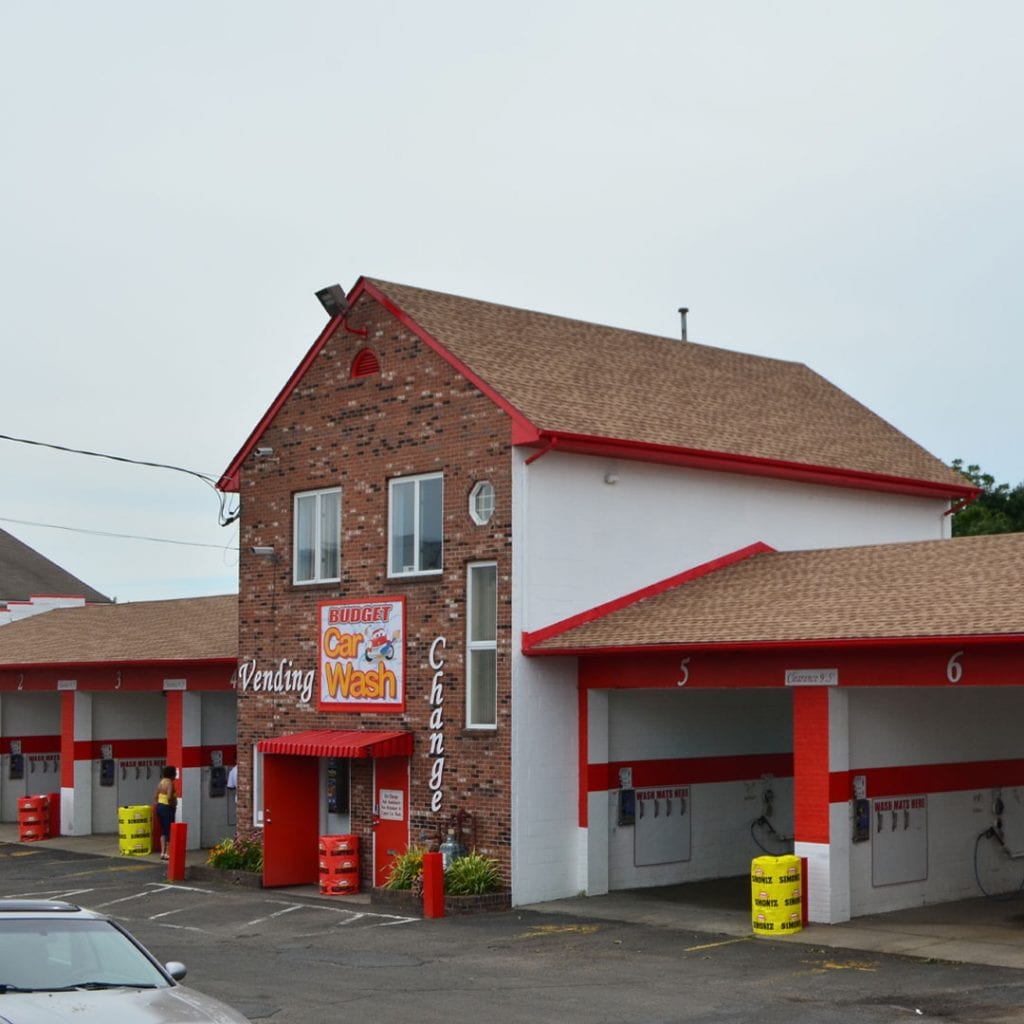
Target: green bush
[
  {"x": 473, "y": 875},
  {"x": 405, "y": 868},
  {"x": 242, "y": 853}
]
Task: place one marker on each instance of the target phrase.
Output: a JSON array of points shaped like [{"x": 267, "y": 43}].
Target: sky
[{"x": 831, "y": 183}]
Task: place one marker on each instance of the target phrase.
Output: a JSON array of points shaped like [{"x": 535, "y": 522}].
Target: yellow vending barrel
[
  {"x": 776, "y": 895},
  {"x": 135, "y": 830}
]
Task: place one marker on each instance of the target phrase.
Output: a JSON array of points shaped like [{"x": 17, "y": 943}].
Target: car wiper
[{"x": 95, "y": 986}]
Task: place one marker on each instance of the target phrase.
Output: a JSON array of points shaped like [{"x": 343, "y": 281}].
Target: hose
[
  {"x": 991, "y": 833},
  {"x": 767, "y": 824}
]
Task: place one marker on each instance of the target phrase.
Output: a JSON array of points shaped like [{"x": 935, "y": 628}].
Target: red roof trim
[
  {"x": 339, "y": 743},
  {"x": 229, "y": 479},
  {"x": 520, "y": 421},
  {"x": 727, "y": 462},
  {"x": 781, "y": 645},
  {"x": 530, "y": 639},
  {"x": 226, "y": 662}
]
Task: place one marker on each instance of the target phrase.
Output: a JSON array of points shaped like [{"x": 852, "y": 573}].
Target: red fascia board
[
  {"x": 521, "y": 424},
  {"x": 728, "y": 462},
  {"x": 783, "y": 645},
  {"x": 103, "y": 663},
  {"x": 618, "y": 603}
]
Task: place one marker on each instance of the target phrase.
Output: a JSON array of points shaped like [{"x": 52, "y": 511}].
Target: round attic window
[{"x": 481, "y": 502}]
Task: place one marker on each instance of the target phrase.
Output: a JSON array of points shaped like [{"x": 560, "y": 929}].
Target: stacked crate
[
  {"x": 33, "y": 818},
  {"x": 135, "y": 830},
  {"x": 339, "y": 865}
]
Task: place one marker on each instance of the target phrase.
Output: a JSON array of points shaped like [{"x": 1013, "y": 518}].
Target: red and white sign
[{"x": 362, "y": 655}]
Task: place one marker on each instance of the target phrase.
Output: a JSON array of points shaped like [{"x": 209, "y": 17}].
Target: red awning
[{"x": 337, "y": 743}]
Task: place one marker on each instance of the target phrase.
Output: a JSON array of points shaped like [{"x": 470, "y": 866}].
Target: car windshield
[{"x": 57, "y": 953}]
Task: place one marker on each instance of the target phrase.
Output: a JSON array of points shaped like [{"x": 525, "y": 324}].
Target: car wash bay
[{"x": 885, "y": 767}]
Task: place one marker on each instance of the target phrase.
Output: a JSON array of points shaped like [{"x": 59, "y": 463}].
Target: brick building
[{"x": 629, "y": 610}]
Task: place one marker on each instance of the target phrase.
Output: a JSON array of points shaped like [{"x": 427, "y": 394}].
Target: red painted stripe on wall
[
  {"x": 91, "y": 750},
  {"x": 32, "y": 744},
  {"x": 928, "y": 778},
  {"x": 201, "y": 757},
  {"x": 689, "y": 770}
]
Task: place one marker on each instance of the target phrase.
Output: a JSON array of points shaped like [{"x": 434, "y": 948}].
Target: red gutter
[
  {"x": 779, "y": 645},
  {"x": 729, "y": 462},
  {"x": 531, "y": 459},
  {"x": 600, "y": 611}
]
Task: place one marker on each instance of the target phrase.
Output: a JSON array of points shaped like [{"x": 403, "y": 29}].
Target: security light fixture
[
  {"x": 333, "y": 300},
  {"x": 264, "y": 450},
  {"x": 263, "y": 552}
]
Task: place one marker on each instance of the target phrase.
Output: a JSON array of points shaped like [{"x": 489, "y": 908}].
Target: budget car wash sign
[{"x": 362, "y": 655}]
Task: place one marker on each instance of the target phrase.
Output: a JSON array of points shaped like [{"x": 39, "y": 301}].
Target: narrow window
[
  {"x": 317, "y": 543},
  {"x": 481, "y": 646},
  {"x": 257, "y": 788},
  {"x": 415, "y": 517}
]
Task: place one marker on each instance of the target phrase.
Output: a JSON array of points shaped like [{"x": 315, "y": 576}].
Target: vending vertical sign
[{"x": 362, "y": 654}]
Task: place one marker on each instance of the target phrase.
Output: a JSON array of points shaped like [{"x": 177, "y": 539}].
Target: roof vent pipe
[{"x": 683, "y": 310}]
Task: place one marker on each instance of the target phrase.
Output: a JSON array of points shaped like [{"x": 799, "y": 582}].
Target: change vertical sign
[{"x": 362, "y": 654}]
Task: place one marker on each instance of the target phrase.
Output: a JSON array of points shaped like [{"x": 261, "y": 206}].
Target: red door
[
  {"x": 291, "y": 820},
  {"x": 390, "y": 813}
]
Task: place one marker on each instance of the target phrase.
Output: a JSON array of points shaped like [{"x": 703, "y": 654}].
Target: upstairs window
[
  {"x": 482, "y": 646},
  {"x": 317, "y": 542},
  {"x": 414, "y": 516}
]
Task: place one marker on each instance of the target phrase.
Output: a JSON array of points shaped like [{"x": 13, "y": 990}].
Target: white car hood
[{"x": 177, "y": 1005}]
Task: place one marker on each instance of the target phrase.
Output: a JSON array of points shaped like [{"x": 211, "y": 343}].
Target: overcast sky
[{"x": 837, "y": 184}]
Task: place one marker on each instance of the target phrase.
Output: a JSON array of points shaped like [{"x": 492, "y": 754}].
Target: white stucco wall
[{"x": 589, "y": 541}]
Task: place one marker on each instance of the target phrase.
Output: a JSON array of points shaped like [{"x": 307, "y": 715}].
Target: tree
[{"x": 998, "y": 509}]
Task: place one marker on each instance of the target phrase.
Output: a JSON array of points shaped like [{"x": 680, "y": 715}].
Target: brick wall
[{"x": 417, "y": 416}]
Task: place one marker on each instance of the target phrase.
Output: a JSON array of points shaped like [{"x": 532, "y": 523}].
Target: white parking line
[
  {"x": 277, "y": 913},
  {"x": 123, "y": 899},
  {"x": 167, "y": 913},
  {"x": 47, "y": 894}
]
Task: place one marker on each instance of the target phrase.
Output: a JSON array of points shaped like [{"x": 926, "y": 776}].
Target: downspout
[{"x": 547, "y": 448}]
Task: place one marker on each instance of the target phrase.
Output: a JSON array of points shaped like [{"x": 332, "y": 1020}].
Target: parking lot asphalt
[{"x": 980, "y": 931}]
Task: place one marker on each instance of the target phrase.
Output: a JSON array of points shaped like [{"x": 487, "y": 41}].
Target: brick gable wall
[{"x": 418, "y": 416}]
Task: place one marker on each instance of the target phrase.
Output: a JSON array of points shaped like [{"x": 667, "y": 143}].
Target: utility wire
[
  {"x": 226, "y": 518},
  {"x": 104, "y": 533}
]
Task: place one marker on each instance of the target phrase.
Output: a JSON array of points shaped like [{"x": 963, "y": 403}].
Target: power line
[
  {"x": 104, "y": 533},
  {"x": 205, "y": 477},
  {"x": 225, "y": 518}
]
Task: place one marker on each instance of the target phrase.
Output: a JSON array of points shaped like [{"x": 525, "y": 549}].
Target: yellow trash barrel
[
  {"x": 776, "y": 894},
  {"x": 135, "y": 830}
]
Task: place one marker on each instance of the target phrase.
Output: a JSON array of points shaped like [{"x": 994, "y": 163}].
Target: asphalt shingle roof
[
  {"x": 187, "y": 629},
  {"x": 571, "y": 377},
  {"x": 961, "y": 587},
  {"x": 25, "y": 573}
]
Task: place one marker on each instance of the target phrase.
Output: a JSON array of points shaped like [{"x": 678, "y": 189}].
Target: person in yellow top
[{"x": 166, "y": 805}]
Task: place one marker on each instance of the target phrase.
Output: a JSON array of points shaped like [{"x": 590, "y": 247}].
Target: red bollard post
[
  {"x": 176, "y": 863},
  {"x": 433, "y": 885}
]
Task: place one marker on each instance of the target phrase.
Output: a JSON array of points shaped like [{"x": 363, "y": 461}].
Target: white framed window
[
  {"x": 317, "y": 540},
  {"x": 257, "y": 788},
  {"x": 481, "y": 502},
  {"x": 482, "y": 645},
  {"x": 415, "y": 506}
]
